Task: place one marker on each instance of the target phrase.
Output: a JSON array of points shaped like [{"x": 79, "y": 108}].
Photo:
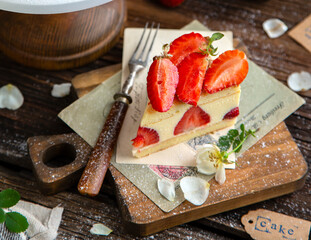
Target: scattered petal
[
  {"x": 220, "y": 176},
  {"x": 207, "y": 157},
  {"x": 100, "y": 229},
  {"x": 274, "y": 27},
  {"x": 11, "y": 97},
  {"x": 299, "y": 81},
  {"x": 167, "y": 189},
  {"x": 195, "y": 189},
  {"x": 61, "y": 90}
]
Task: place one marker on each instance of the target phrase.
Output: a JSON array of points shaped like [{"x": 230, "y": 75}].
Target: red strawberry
[
  {"x": 191, "y": 75},
  {"x": 171, "y": 3},
  {"x": 232, "y": 113},
  {"x": 145, "y": 136},
  {"x": 186, "y": 44},
  {"x": 193, "y": 118},
  {"x": 229, "y": 69},
  {"x": 162, "y": 81}
]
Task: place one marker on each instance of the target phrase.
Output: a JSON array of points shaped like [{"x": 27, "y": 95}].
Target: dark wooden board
[{"x": 273, "y": 167}]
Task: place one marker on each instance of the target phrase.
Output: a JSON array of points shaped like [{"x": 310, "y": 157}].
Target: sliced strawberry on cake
[
  {"x": 145, "y": 136},
  {"x": 162, "y": 81},
  {"x": 184, "y": 45},
  {"x": 194, "y": 112},
  {"x": 194, "y": 117},
  {"x": 191, "y": 75},
  {"x": 229, "y": 69}
]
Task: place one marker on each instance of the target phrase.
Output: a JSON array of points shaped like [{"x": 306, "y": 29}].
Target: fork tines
[{"x": 143, "y": 50}]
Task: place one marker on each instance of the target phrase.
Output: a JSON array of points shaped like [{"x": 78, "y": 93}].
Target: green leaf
[
  {"x": 216, "y": 36},
  {"x": 233, "y": 133},
  {"x": 242, "y": 134},
  {"x": 224, "y": 143},
  {"x": 8, "y": 198},
  {"x": 16, "y": 222},
  {"x": 2, "y": 215},
  {"x": 210, "y": 49}
]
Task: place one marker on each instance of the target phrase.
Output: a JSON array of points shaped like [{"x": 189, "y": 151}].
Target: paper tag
[
  {"x": 264, "y": 224},
  {"x": 302, "y": 33}
]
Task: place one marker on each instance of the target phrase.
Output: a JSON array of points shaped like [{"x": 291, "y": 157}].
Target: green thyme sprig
[
  {"x": 14, "y": 221},
  {"x": 234, "y": 139},
  {"x": 210, "y": 49}
]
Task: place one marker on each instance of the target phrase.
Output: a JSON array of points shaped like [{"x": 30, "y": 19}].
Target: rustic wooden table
[{"x": 38, "y": 115}]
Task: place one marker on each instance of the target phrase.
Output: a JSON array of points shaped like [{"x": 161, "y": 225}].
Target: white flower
[
  {"x": 100, "y": 229},
  {"x": 11, "y": 97},
  {"x": 207, "y": 158},
  {"x": 299, "y": 81},
  {"x": 209, "y": 161},
  {"x": 274, "y": 27},
  {"x": 61, "y": 90},
  {"x": 195, "y": 189},
  {"x": 220, "y": 176},
  {"x": 167, "y": 189}
]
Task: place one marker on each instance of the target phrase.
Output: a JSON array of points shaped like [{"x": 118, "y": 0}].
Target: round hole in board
[
  {"x": 59, "y": 155},
  {"x": 250, "y": 221}
]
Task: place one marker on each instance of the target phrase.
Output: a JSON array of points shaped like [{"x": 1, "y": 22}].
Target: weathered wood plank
[{"x": 38, "y": 116}]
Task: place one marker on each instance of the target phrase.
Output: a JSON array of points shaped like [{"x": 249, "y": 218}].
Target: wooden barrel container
[{"x": 61, "y": 41}]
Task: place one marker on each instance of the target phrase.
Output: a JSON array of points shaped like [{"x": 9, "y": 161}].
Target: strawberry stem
[{"x": 210, "y": 49}]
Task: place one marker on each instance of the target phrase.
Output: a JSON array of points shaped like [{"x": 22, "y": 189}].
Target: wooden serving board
[{"x": 273, "y": 167}]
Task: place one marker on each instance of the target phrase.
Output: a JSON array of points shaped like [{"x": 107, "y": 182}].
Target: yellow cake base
[{"x": 182, "y": 138}]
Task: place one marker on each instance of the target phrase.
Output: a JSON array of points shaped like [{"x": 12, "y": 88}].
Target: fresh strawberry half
[
  {"x": 191, "y": 75},
  {"x": 145, "y": 136},
  {"x": 162, "y": 81},
  {"x": 171, "y": 3},
  {"x": 193, "y": 118},
  {"x": 232, "y": 113},
  {"x": 186, "y": 44},
  {"x": 229, "y": 69}
]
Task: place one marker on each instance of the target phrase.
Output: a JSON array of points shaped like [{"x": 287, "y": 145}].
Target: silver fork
[
  {"x": 137, "y": 63},
  {"x": 99, "y": 161}
]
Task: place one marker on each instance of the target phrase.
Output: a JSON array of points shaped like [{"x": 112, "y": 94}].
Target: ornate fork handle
[
  {"x": 99, "y": 161},
  {"x": 97, "y": 166}
]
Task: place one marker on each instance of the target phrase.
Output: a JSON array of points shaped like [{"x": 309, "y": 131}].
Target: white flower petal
[
  {"x": 11, "y": 97},
  {"x": 100, "y": 229},
  {"x": 195, "y": 189},
  {"x": 61, "y": 90},
  {"x": 299, "y": 81},
  {"x": 274, "y": 27},
  {"x": 220, "y": 176},
  {"x": 206, "y": 158},
  {"x": 167, "y": 189}
]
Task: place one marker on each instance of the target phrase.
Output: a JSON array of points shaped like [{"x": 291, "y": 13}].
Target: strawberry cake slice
[{"x": 189, "y": 94}]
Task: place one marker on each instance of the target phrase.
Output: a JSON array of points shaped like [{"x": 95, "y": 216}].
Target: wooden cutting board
[{"x": 273, "y": 167}]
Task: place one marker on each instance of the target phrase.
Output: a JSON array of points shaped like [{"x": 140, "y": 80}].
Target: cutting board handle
[{"x": 97, "y": 166}]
